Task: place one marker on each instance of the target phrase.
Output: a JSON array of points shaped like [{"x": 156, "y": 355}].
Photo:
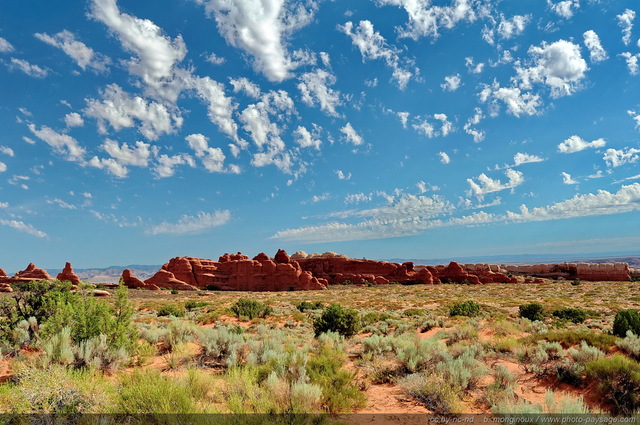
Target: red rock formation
[
  {"x": 236, "y": 272},
  {"x": 3, "y": 273},
  {"x": 282, "y": 257},
  {"x": 33, "y": 273},
  {"x": 5, "y": 287},
  {"x": 68, "y": 275},
  {"x": 337, "y": 269},
  {"x": 130, "y": 281},
  {"x": 455, "y": 273},
  {"x": 617, "y": 272},
  {"x": 101, "y": 293}
]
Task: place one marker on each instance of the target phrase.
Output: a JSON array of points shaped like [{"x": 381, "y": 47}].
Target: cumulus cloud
[
  {"x": 23, "y": 227},
  {"x": 5, "y": 46},
  {"x": 305, "y": 139},
  {"x": 451, "y": 82},
  {"x": 62, "y": 144},
  {"x": 166, "y": 164},
  {"x": 524, "y": 158},
  {"x": 372, "y": 45},
  {"x": 243, "y": 85},
  {"x": 596, "y": 51},
  {"x": 7, "y": 151},
  {"x": 342, "y": 176},
  {"x": 486, "y": 184},
  {"x": 156, "y": 54},
  {"x": 314, "y": 87},
  {"x": 566, "y": 178},
  {"x": 3, "y": 167},
  {"x": 474, "y": 68},
  {"x": 29, "y": 69},
  {"x": 444, "y": 158},
  {"x": 62, "y": 204},
  {"x": 357, "y": 198},
  {"x": 518, "y": 103},
  {"x": 121, "y": 110},
  {"x": 200, "y": 223},
  {"x": 564, "y": 8},
  {"x": 220, "y": 106},
  {"x": 509, "y": 28},
  {"x": 558, "y": 65},
  {"x": 73, "y": 119},
  {"x": 625, "y": 22},
  {"x": 618, "y": 157},
  {"x": 212, "y": 158},
  {"x": 261, "y": 28},
  {"x": 478, "y": 135},
  {"x": 215, "y": 59},
  {"x": 426, "y": 20},
  {"x": 83, "y": 55},
  {"x": 350, "y": 135},
  {"x": 632, "y": 62},
  {"x": 635, "y": 116},
  {"x": 576, "y": 144}
]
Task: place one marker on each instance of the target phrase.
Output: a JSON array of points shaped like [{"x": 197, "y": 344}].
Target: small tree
[
  {"x": 335, "y": 318},
  {"x": 532, "y": 311},
  {"x": 626, "y": 320},
  {"x": 466, "y": 308}
]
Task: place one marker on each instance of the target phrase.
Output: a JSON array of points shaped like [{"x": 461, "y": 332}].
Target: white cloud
[
  {"x": 618, "y": 157},
  {"x": 166, "y": 164},
  {"x": 61, "y": 204},
  {"x": 577, "y": 144},
  {"x": 478, "y": 135},
  {"x": 61, "y": 143},
  {"x": 356, "y": 198},
  {"x": 220, "y": 107},
  {"x": 566, "y": 179},
  {"x": 3, "y": 167},
  {"x": 518, "y": 103},
  {"x": 212, "y": 158},
  {"x": 23, "y": 227},
  {"x": 444, "y": 158},
  {"x": 473, "y": 67},
  {"x": 192, "y": 225},
  {"x": 373, "y": 46},
  {"x": 121, "y": 110},
  {"x": 524, "y": 158},
  {"x": 156, "y": 54},
  {"x": 425, "y": 20},
  {"x": 596, "y": 51},
  {"x": 215, "y": 59},
  {"x": 404, "y": 118},
  {"x": 7, "y": 151},
  {"x": 261, "y": 28},
  {"x": 4, "y": 205},
  {"x": 635, "y": 116},
  {"x": 632, "y": 62},
  {"x": 318, "y": 198},
  {"x": 559, "y": 65},
  {"x": 447, "y": 126},
  {"x": 87, "y": 195},
  {"x": 509, "y": 28},
  {"x": 28, "y": 140},
  {"x": 451, "y": 83},
  {"x": 314, "y": 87},
  {"x": 488, "y": 185},
  {"x": 625, "y": 21},
  {"x": 249, "y": 88},
  {"x": 29, "y": 69},
  {"x": 342, "y": 176},
  {"x": 5, "y": 46},
  {"x": 426, "y": 128},
  {"x": 350, "y": 135},
  {"x": 305, "y": 139},
  {"x": 83, "y": 55},
  {"x": 564, "y": 8},
  {"x": 73, "y": 119}
]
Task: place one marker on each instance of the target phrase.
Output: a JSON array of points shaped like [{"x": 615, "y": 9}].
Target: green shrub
[
  {"x": 575, "y": 315},
  {"x": 466, "y": 308},
  {"x": 416, "y": 355},
  {"x": 335, "y": 318},
  {"x": 219, "y": 344},
  {"x": 573, "y": 337},
  {"x": 306, "y": 305},
  {"x": 174, "y": 292},
  {"x": 192, "y": 305},
  {"x": 619, "y": 382},
  {"x": 170, "y": 310},
  {"x": 250, "y": 309},
  {"x": 576, "y": 282},
  {"x": 433, "y": 391},
  {"x": 626, "y": 320},
  {"x": 532, "y": 311}
]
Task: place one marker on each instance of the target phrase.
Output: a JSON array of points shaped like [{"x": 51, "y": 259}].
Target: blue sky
[{"x": 135, "y": 131}]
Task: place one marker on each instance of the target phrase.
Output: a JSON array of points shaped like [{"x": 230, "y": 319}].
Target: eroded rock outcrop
[
  {"x": 30, "y": 274},
  {"x": 337, "y": 269},
  {"x": 131, "y": 281},
  {"x": 68, "y": 275},
  {"x": 236, "y": 272},
  {"x": 617, "y": 272},
  {"x": 5, "y": 287}
]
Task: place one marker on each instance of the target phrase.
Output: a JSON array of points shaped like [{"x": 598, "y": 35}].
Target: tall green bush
[
  {"x": 626, "y": 320},
  {"x": 335, "y": 318}
]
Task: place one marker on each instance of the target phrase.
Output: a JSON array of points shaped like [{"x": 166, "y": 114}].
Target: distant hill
[{"x": 111, "y": 274}]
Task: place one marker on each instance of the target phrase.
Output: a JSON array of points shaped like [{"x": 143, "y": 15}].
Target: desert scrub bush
[
  {"x": 506, "y": 345},
  {"x": 152, "y": 334},
  {"x": 501, "y": 390},
  {"x": 555, "y": 404},
  {"x": 307, "y": 305},
  {"x": 339, "y": 391},
  {"x": 335, "y": 318},
  {"x": 147, "y": 391},
  {"x": 170, "y": 310},
  {"x": 218, "y": 345},
  {"x": 250, "y": 309},
  {"x": 378, "y": 344},
  {"x": 532, "y": 311},
  {"x": 618, "y": 380},
  {"x": 626, "y": 320},
  {"x": 575, "y": 336},
  {"x": 585, "y": 353},
  {"x": 143, "y": 352},
  {"x": 575, "y": 315},
  {"x": 372, "y": 317},
  {"x": 433, "y": 391},
  {"x": 461, "y": 333},
  {"x": 429, "y": 324},
  {"x": 178, "y": 332},
  {"x": 463, "y": 372},
  {"x": 630, "y": 345},
  {"x": 192, "y": 305},
  {"x": 416, "y": 355},
  {"x": 465, "y": 308}
]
